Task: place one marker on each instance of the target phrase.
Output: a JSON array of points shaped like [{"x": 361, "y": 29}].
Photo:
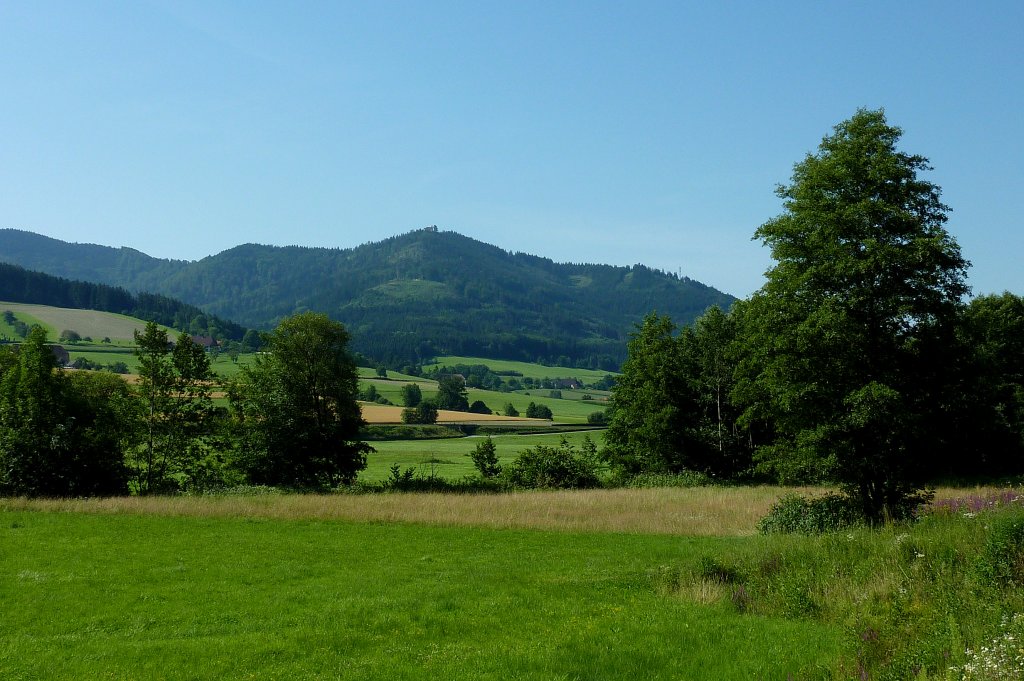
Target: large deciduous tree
[
  {"x": 297, "y": 408},
  {"x": 991, "y": 423},
  {"x": 848, "y": 333},
  {"x": 653, "y": 417},
  {"x": 60, "y": 436},
  {"x": 175, "y": 391},
  {"x": 451, "y": 393}
]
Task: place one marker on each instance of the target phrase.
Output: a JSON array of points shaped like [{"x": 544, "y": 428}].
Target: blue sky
[{"x": 641, "y": 132}]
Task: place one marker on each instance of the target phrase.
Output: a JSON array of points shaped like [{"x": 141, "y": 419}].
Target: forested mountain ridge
[{"x": 404, "y": 298}]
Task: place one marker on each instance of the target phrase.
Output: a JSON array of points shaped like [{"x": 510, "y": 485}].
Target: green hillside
[
  {"x": 407, "y": 298},
  {"x": 88, "y": 323}
]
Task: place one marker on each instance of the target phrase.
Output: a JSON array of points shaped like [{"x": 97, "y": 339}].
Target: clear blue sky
[{"x": 639, "y": 132}]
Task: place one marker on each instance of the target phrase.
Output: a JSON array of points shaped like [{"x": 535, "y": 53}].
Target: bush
[
  {"x": 510, "y": 410},
  {"x": 538, "y": 411},
  {"x": 684, "y": 479},
  {"x": 811, "y": 515},
  {"x": 425, "y": 412},
  {"x": 479, "y": 407},
  {"x": 485, "y": 458},
  {"x": 562, "y": 467},
  {"x": 118, "y": 367},
  {"x": 597, "y": 418},
  {"x": 411, "y": 395}
]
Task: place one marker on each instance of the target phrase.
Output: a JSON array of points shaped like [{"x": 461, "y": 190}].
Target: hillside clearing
[{"x": 91, "y": 323}]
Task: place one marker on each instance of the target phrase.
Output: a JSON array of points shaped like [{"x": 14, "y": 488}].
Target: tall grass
[
  {"x": 695, "y": 512},
  {"x": 914, "y": 599}
]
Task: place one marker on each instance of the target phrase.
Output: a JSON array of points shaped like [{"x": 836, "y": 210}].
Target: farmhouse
[{"x": 206, "y": 341}]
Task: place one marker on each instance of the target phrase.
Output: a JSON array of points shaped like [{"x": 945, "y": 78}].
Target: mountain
[{"x": 406, "y": 298}]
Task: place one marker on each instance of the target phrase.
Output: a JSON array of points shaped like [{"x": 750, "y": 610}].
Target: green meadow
[
  {"x": 129, "y": 596},
  {"x": 526, "y": 369},
  {"x": 569, "y": 409},
  {"x": 600, "y": 584},
  {"x": 91, "y": 323},
  {"x": 449, "y": 458}
]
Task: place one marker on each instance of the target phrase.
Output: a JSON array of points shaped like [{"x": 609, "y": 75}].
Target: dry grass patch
[
  {"x": 384, "y": 414},
  {"x": 707, "y": 511}
]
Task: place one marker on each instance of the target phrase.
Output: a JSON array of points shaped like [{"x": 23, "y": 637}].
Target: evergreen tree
[{"x": 297, "y": 410}]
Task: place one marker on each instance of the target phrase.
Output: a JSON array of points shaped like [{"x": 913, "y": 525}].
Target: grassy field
[
  {"x": 602, "y": 584},
  {"x": 369, "y": 372},
  {"x": 212, "y": 596},
  {"x": 525, "y": 368},
  {"x": 8, "y": 329},
  {"x": 449, "y": 458},
  {"x": 564, "y": 410},
  {"x": 90, "y": 323}
]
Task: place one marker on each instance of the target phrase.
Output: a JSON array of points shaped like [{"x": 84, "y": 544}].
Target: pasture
[
  {"x": 563, "y": 410},
  {"x": 449, "y": 458},
  {"x": 89, "y": 323},
  {"x": 191, "y": 591},
  {"x": 525, "y": 369},
  {"x": 602, "y": 584}
]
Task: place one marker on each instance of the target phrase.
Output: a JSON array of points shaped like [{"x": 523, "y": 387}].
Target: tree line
[
  {"x": 292, "y": 418},
  {"x": 858, "y": 362}
]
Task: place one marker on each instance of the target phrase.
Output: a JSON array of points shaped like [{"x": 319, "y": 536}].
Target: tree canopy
[
  {"x": 297, "y": 407},
  {"x": 849, "y": 330}
]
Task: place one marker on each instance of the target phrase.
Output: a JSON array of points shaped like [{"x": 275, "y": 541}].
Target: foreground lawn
[{"x": 130, "y": 595}]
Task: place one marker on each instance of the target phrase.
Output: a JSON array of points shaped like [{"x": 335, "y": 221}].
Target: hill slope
[
  {"x": 19, "y": 285},
  {"x": 88, "y": 323},
  {"x": 405, "y": 298}
]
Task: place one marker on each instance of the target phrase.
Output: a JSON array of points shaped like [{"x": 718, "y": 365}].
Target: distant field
[
  {"x": 8, "y": 329},
  {"x": 525, "y": 368},
  {"x": 380, "y": 413},
  {"x": 449, "y": 458},
  {"x": 370, "y": 372},
  {"x": 86, "y": 322},
  {"x": 571, "y": 409}
]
